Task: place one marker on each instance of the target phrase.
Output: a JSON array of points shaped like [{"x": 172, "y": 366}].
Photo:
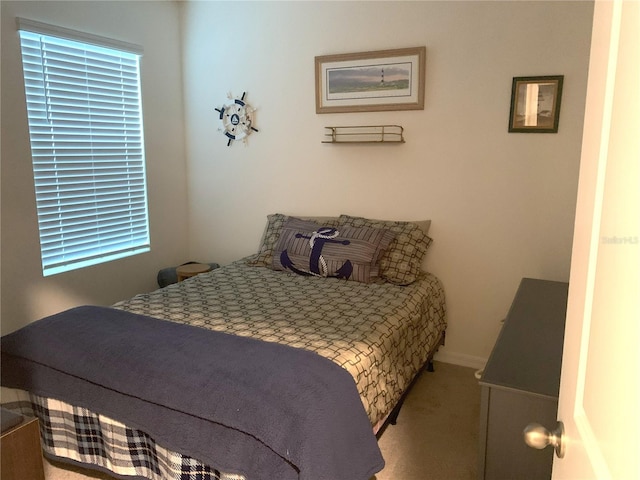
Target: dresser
[{"x": 521, "y": 381}]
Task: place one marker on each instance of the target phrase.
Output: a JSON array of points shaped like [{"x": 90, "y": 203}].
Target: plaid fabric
[{"x": 70, "y": 432}]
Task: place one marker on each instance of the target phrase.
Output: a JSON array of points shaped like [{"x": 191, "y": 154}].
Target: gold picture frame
[
  {"x": 379, "y": 80},
  {"x": 535, "y": 104}
]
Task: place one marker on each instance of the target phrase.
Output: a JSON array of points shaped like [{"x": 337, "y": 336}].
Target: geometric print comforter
[{"x": 379, "y": 332}]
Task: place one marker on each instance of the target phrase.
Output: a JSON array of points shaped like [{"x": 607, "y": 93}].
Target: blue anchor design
[{"x": 317, "y": 264}]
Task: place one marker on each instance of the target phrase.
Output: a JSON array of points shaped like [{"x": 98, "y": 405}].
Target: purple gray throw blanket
[{"x": 261, "y": 409}]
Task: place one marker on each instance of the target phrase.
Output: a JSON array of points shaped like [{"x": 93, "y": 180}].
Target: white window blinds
[{"x": 85, "y": 126}]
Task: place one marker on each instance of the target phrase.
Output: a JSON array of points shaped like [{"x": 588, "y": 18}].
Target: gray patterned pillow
[
  {"x": 308, "y": 248},
  {"x": 402, "y": 261},
  {"x": 264, "y": 257}
]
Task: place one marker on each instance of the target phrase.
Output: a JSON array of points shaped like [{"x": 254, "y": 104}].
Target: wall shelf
[{"x": 364, "y": 134}]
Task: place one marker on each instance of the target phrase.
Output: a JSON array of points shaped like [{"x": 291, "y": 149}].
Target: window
[{"x": 87, "y": 149}]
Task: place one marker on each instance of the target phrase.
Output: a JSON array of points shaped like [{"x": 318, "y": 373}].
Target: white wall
[
  {"x": 502, "y": 204},
  {"x": 26, "y": 295}
]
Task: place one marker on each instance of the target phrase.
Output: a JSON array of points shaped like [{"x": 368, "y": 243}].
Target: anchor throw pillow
[
  {"x": 350, "y": 253},
  {"x": 275, "y": 222}
]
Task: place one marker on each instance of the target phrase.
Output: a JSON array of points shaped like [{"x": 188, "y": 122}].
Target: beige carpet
[{"x": 436, "y": 437}]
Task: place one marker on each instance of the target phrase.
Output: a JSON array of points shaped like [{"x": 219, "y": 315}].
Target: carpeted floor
[{"x": 436, "y": 437}]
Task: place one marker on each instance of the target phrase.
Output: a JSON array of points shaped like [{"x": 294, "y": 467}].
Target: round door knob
[{"x": 537, "y": 436}]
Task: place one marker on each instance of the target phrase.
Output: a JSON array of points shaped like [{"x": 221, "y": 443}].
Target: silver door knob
[{"x": 536, "y": 436}]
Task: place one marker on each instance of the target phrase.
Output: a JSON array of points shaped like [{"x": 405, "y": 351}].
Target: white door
[{"x": 599, "y": 395}]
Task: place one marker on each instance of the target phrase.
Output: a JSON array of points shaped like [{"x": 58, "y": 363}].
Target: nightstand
[
  {"x": 20, "y": 445},
  {"x": 191, "y": 270}
]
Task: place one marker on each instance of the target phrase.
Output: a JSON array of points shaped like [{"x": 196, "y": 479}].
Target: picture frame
[
  {"x": 381, "y": 80},
  {"x": 535, "y": 104}
]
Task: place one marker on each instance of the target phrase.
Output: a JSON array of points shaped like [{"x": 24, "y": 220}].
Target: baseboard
[{"x": 460, "y": 359}]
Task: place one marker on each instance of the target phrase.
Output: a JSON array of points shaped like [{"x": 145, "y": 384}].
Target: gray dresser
[{"x": 521, "y": 381}]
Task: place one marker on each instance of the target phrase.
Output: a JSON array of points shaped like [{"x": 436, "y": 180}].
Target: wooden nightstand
[
  {"x": 191, "y": 270},
  {"x": 21, "y": 451}
]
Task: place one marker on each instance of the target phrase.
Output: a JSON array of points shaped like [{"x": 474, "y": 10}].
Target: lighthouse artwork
[{"x": 371, "y": 81}]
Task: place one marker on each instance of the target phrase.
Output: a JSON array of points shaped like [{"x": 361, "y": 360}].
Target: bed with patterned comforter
[
  {"x": 380, "y": 332},
  {"x": 377, "y": 332}
]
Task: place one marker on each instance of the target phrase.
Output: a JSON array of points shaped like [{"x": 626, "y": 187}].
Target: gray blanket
[{"x": 265, "y": 410}]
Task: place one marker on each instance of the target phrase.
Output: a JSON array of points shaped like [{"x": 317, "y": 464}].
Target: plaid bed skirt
[{"x": 69, "y": 432}]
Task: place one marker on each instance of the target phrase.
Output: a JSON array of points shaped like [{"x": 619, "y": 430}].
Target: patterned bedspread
[{"x": 381, "y": 333}]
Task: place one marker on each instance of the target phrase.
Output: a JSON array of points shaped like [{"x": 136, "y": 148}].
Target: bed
[{"x": 370, "y": 318}]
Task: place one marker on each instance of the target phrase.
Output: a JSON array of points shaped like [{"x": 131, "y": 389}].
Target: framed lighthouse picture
[{"x": 371, "y": 81}]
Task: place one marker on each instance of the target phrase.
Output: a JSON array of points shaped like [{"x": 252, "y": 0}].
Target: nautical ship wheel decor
[{"x": 237, "y": 119}]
